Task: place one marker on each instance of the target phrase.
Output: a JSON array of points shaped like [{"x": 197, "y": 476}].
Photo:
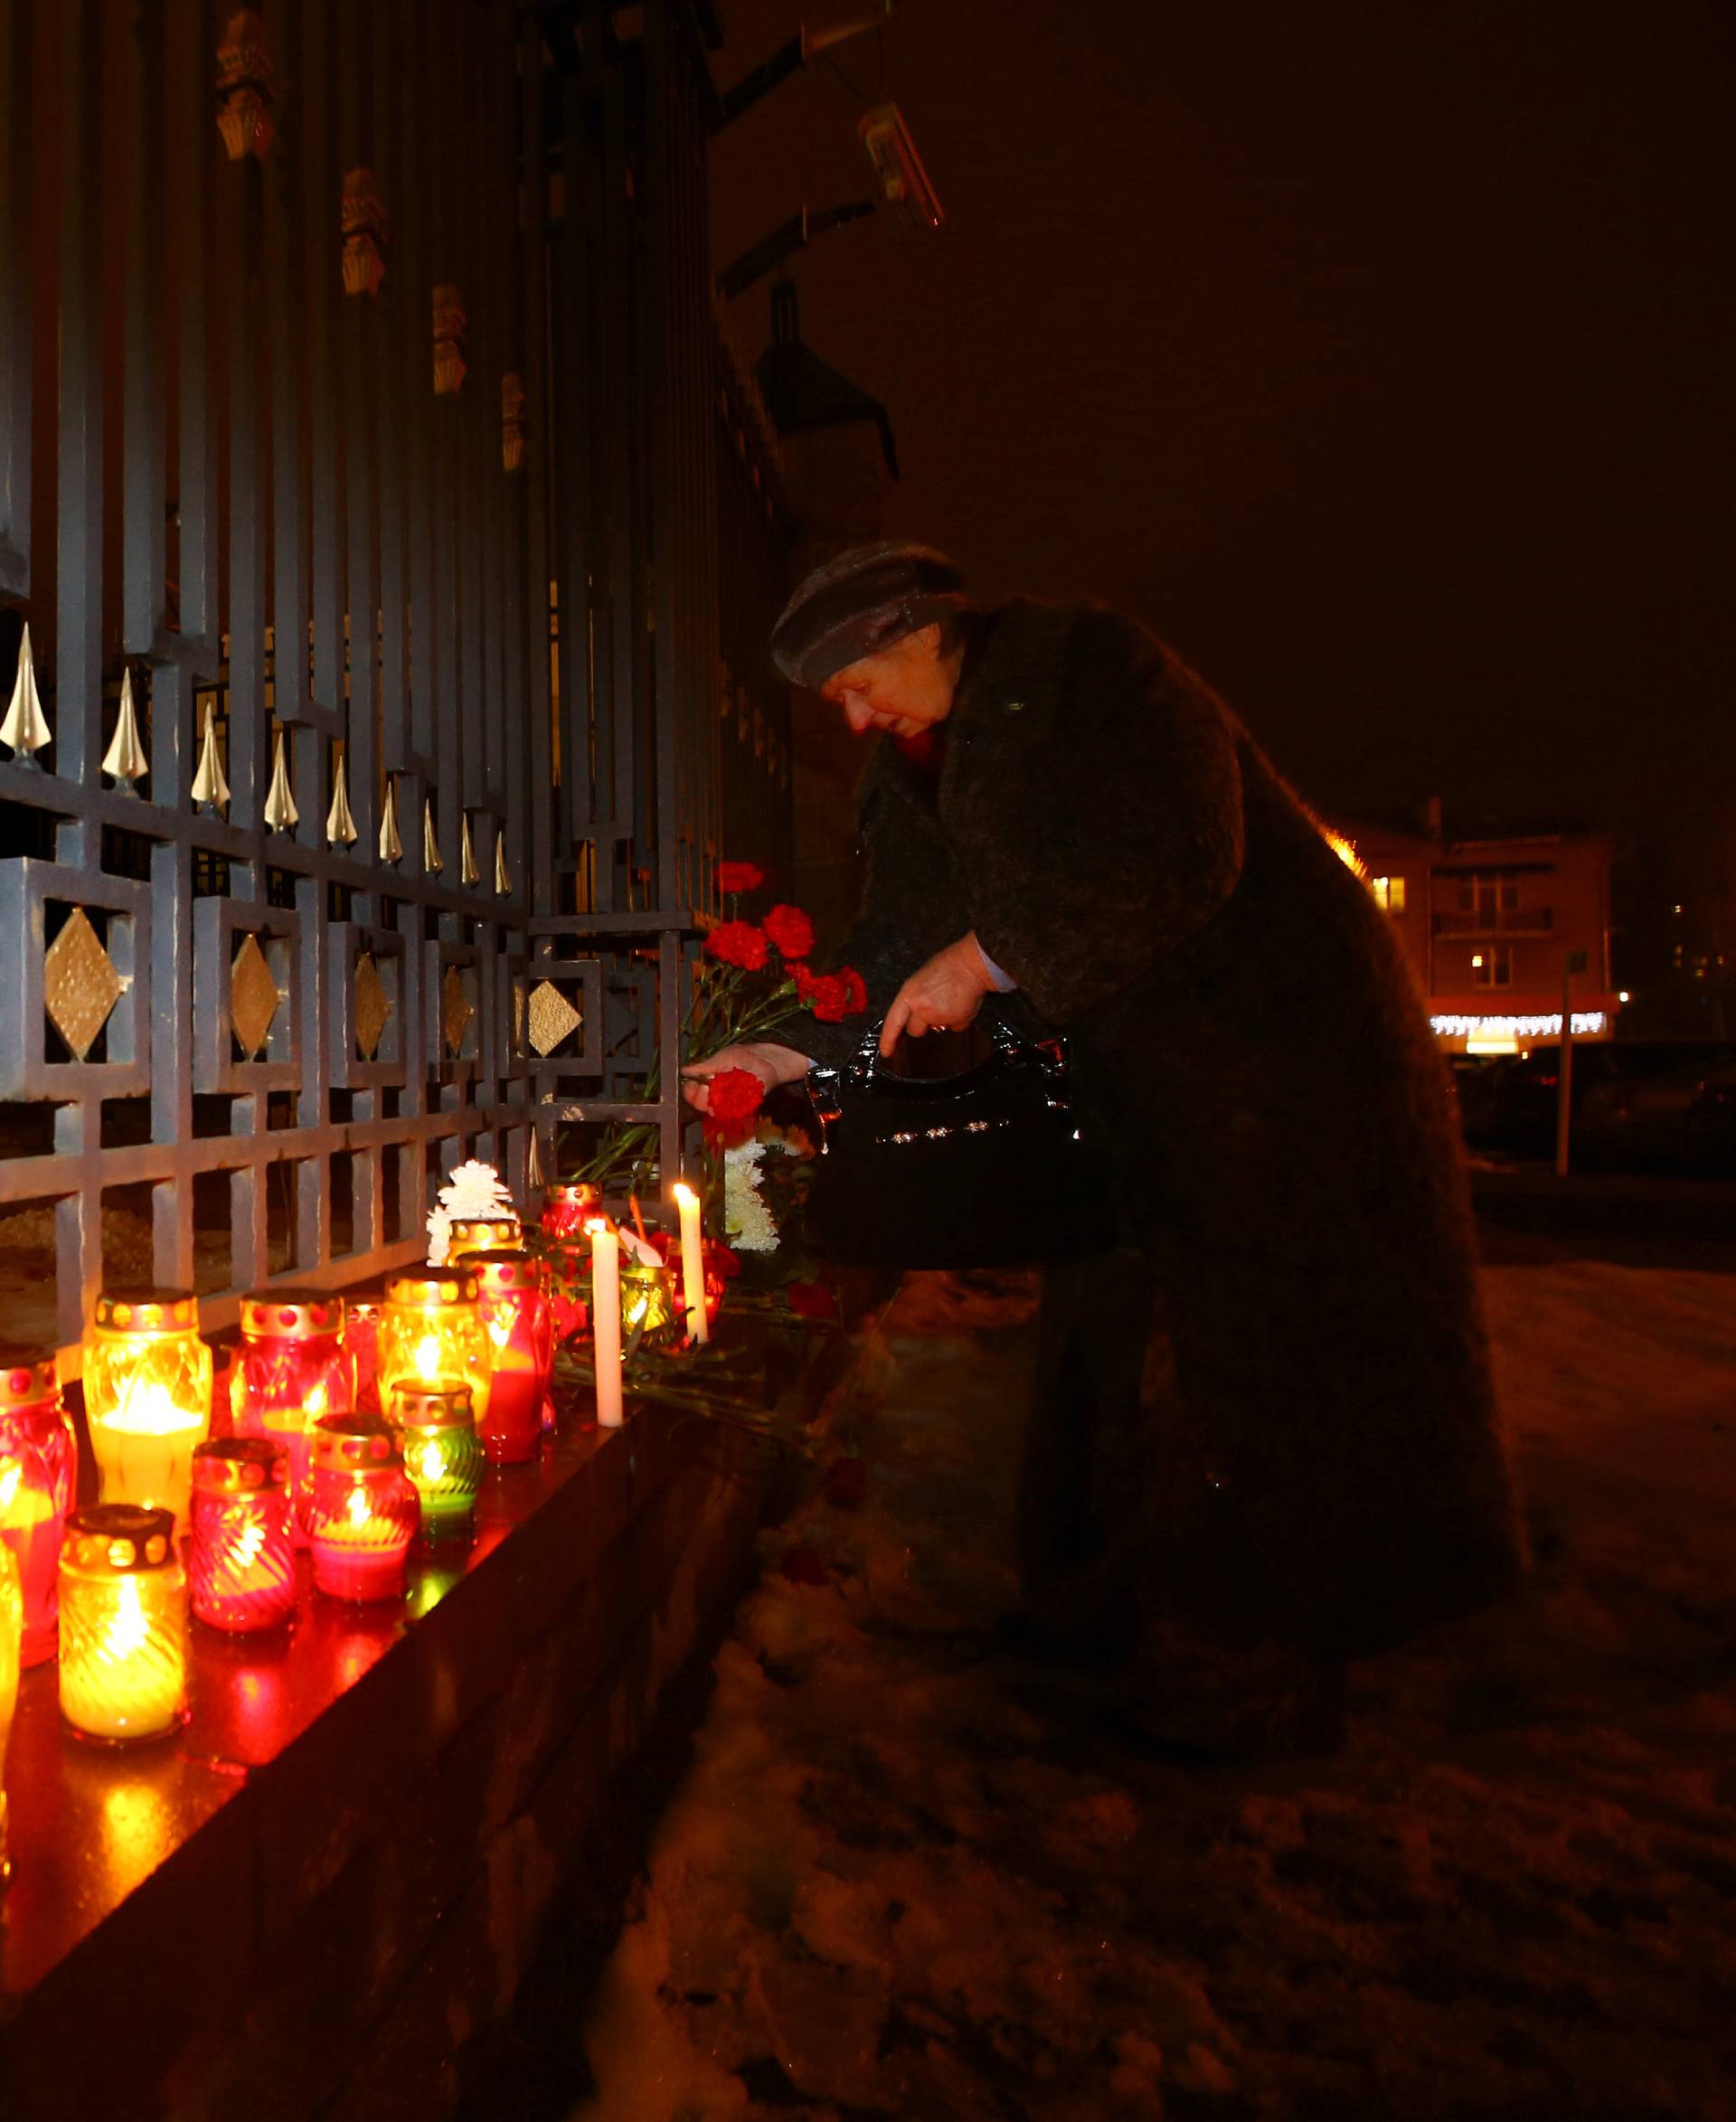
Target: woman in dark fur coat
[{"x": 1267, "y": 1417}]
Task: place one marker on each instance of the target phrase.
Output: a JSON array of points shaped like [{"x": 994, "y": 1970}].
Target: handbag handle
[{"x": 863, "y": 1070}]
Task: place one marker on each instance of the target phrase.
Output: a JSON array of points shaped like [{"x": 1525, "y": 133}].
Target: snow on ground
[{"x": 887, "y": 1888}]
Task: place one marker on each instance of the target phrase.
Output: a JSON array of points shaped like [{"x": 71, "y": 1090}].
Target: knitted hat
[{"x": 861, "y": 602}]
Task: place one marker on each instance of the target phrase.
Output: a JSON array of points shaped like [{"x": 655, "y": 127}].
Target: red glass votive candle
[
  {"x": 361, "y": 1338},
  {"x": 566, "y": 1208},
  {"x": 39, "y": 1476},
  {"x": 293, "y": 1369},
  {"x": 242, "y": 1563},
  {"x": 361, "y": 1510},
  {"x": 521, "y": 1338}
]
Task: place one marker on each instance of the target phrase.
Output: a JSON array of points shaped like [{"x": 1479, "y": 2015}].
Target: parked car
[
  {"x": 1512, "y": 1104},
  {"x": 1685, "y": 1116}
]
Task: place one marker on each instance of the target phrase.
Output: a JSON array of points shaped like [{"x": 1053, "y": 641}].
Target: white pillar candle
[
  {"x": 606, "y": 1322},
  {"x": 693, "y": 1263}
]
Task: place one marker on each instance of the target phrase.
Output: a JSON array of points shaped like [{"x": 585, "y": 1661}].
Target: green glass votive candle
[{"x": 443, "y": 1455}]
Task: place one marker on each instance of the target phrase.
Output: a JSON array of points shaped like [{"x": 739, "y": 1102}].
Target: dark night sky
[{"x": 1379, "y": 356}]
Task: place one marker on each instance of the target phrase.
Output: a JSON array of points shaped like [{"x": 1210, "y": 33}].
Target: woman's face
[{"x": 903, "y": 689}]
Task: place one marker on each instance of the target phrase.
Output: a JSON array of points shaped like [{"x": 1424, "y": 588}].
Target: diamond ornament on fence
[
  {"x": 552, "y": 1017},
  {"x": 80, "y": 983},
  {"x": 253, "y": 997},
  {"x": 372, "y": 1007},
  {"x": 455, "y": 1010}
]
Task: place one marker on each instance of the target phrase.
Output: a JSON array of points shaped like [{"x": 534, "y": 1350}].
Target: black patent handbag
[{"x": 983, "y": 1167}]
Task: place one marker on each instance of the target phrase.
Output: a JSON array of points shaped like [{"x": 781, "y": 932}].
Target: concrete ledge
[{"x": 323, "y": 1895}]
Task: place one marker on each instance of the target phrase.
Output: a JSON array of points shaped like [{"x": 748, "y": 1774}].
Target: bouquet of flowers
[{"x": 751, "y": 975}]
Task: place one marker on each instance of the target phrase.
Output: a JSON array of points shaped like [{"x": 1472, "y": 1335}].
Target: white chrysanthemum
[
  {"x": 474, "y": 1189},
  {"x": 747, "y": 1220}
]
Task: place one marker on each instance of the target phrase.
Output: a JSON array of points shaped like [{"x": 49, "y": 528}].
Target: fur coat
[{"x": 1248, "y": 1045}]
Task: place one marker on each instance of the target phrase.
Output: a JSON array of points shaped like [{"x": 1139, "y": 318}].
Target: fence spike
[
  {"x": 392, "y": 848},
  {"x": 431, "y": 861},
  {"x": 468, "y": 870},
  {"x": 280, "y": 812},
  {"x": 124, "y": 761},
  {"x": 210, "y": 786},
  {"x": 340, "y": 826},
  {"x": 25, "y": 728}
]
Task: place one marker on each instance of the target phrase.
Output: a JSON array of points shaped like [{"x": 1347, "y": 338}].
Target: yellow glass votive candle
[
  {"x": 647, "y": 1301},
  {"x": 432, "y": 1333},
  {"x": 123, "y": 1624},
  {"x": 146, "y": 1397}
]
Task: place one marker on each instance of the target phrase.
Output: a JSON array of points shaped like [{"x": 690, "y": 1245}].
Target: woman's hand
[
  {"x": 942, "y": 996},
  {"x": 770, "y": 1063}
]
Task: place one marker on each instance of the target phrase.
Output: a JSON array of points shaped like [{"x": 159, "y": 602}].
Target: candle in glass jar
[
  {"x": 647, "y": 1301},
  {"x": 568, "y": 1209},
  {"x": 361, "y": 1338},
  {"x": 123, "y": 1624},
  {"x": 521, "y": 1336},
  {"x": 361, "y": 1510},
  {"x": 242, "y": 1556},
  {"x": 605, "y": 1312},
  {"x": 147, "y": 1396},
  {"x": 294, "y": 1369},
  {"x": 693, "y": 1263},
  {"x": 431, "y": 1331},
  {"x": 443, "y": 1456},
  {"x": 39, "y": 1464},
  {"x": 12, "y": 1643}
]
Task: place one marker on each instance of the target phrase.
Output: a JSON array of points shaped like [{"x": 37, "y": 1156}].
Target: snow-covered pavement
[{"x": 889, "y": 1889}]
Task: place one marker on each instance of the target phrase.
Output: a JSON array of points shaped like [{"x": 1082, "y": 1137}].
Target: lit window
[
  {"x": 1493, "y": 969},
  {"x": 1389, "y": 893}
]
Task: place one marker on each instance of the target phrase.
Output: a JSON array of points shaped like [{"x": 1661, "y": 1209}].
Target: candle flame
[
  {"x": 433, "y": 1464},
  {"x": 11, "y": 1474},
  {"x": 148, "y": 1409},
  {"x": 247, "y": 1546},
  {"x": 427, "y": 1356},
  {"x": 360, "y": 1509},
  {"x": 500, "y": 1330},
  {"x": 316, "y": 1402},
  {"x": 128, "y": 1629},
  {"x": 683, "y": 1194}
]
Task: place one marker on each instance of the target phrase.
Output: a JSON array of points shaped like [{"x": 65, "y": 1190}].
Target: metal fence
[{"x": 360, "y": 430}]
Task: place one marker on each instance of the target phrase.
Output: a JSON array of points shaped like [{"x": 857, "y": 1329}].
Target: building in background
[{"x": 1489, "y": 923}]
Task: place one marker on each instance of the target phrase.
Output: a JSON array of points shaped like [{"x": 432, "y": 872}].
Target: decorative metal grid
[{"x": 359, "y": 612}]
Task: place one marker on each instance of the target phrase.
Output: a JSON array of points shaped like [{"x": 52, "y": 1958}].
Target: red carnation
[
  {"x": 738, "y": 943},
  {"x": 735, "y": 1095},
  {"x": 790, "y": 929},
  {"x": 739, "y": 876},
  {"x": 720, "y": 1260},
  {"x": 803, "y": 981},
  {"x": 828, "y": 998},
  {"x": 855, "y": 991}
]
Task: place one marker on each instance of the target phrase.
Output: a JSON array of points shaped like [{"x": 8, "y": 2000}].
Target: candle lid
[
  {"x": 353, "y": 1443},
  {"x": 497, "y": 1227},
  {"x": 428, "y": 1285},
  {"x": 26, "y": 1378},
  {"x": 433, "y": 1407},
  {"x": 291, "y": 1314},
  {"x": 232, "y": 1465},
  {"x": 501, "y": 1270},
  {"x": 570, "y": 1194},
  {"x": 119, "y": 1536},
  {"x": 147, "y": 1311},
  {"x": 363, "y": 1305}
]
